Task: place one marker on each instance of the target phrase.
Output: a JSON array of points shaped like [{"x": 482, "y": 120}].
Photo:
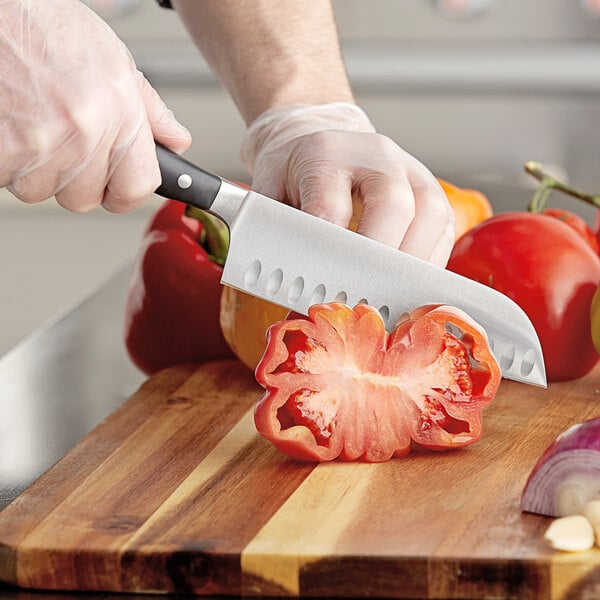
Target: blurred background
[{"x": 472, "y": 88}]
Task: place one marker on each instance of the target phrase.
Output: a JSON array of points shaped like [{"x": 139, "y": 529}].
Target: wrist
[{"x": 278, "y": 125}]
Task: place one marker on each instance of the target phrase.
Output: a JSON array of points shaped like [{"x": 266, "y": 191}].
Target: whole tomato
[
  {"x": 577, "y": 223},
  {"x": 550, "y": 270}
]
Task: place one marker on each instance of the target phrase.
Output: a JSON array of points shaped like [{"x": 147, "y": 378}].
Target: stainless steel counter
[
  {"x": 56, "y": 386},
  {"x": 60, "y": 382}
]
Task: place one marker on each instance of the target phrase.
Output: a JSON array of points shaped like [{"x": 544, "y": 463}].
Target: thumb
[{"x": 166, "y": 129}]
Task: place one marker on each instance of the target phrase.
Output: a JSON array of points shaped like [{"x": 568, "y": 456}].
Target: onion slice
[{"x": 567, "y": 475}]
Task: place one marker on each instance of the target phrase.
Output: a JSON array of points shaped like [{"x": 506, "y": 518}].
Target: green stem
[
  {"x": 540, "y": 198},
  {"x": 549, "y": 183},
  {"x": 216, "y": 234}
]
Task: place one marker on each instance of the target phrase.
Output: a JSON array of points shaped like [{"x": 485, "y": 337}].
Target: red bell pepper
[{"x": 173, "y": 302}]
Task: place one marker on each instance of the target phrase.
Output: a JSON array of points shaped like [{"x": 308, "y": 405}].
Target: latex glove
[
  {"x": 77, "y": 120},
  {"x": 315, "y": 156}
]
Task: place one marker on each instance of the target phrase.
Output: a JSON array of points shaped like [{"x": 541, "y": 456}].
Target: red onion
[{"x": 567, "y": 475}]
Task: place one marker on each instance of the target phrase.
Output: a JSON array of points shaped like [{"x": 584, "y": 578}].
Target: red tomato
[
  {"x": 547, "y": 268},
  {"x": 338, "y": 385},
  {"x": 577, "y": 223},
  {"x": 596, "y": 227}
]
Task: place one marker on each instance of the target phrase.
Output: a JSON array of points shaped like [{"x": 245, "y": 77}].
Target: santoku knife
[{"x": 294, "y": 259}]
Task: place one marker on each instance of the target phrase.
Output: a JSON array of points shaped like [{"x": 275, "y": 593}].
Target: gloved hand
[
  {"x": 315, "y": 156},
  {"x": 77, "y": 120}
]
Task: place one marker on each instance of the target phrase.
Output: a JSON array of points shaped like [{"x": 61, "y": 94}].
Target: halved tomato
[{"x": 338, "y": 385}]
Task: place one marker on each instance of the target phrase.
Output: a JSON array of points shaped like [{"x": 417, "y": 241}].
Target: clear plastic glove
[
  {"x": 77, "y": 120},
  {"x": 315, "y": 157}
]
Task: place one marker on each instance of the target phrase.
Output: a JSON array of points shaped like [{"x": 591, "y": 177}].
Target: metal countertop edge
[{"x": 58, "y": 383}]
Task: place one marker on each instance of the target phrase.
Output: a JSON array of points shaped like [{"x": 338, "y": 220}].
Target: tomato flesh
[{"x": 338, "y": 385}]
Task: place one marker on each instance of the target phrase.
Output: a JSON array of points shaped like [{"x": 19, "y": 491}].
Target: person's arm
[
  {"x": 307, "y": 142},
  {"x": 270, "y": 53}
]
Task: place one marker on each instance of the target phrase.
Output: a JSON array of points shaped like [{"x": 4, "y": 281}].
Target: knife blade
[{"x": 295, "y": 259}]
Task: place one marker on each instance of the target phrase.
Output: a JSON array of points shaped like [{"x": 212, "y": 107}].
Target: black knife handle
[{"x": 184, "y": 181}]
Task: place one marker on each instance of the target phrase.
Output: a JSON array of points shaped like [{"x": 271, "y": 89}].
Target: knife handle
[{"x": 184, "y": 181}]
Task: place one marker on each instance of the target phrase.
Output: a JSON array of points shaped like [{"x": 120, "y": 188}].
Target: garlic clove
[
  {"x": 571, "y": 534},
  {"x": 591, "y": 511}
]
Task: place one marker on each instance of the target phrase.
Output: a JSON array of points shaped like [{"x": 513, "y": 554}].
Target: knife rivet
[{"x": 184, "y": 181}]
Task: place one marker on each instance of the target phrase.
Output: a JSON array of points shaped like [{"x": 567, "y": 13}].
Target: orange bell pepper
[{"x": 470, "y": 207}]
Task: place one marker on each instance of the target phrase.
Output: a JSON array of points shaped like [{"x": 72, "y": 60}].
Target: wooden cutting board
[{"x": 176, "y": 492}]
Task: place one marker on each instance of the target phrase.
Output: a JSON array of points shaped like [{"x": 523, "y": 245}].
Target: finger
[
  {"x": 326, "y": 194},
  {"x": 443, "y": 249},
  {"x": 166, "y": 129},
  {"x": 86, "y": 191},
  {"x": 23, "y": 147},
  {"x": 433, "y": 217},
  {"x": 38, "y": 176},
  {"x": 133, "y": 172},
  {"x": 60, "y": 154},
  {"x": 33, "y": 188},
  {"x": 388, "y": 207}
]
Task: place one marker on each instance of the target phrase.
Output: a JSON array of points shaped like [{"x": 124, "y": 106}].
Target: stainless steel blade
[{"x": 294, "y": 259}]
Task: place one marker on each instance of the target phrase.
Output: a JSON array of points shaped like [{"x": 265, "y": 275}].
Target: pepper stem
[
  {"x": 216, "y": 240},
  {"x": 549, "y": 183}
]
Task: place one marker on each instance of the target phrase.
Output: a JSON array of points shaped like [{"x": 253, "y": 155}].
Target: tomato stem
[
  {"x": 216, "y": 234},
  {"x": 549, "y": 183}
]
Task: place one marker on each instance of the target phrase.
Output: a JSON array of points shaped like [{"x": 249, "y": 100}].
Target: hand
[
  {"x": 316, "y": 156},
  {"x": 77, "y": 120}
]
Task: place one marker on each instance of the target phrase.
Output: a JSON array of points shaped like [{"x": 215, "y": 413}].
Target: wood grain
[{"x": 176, "y": 492}]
